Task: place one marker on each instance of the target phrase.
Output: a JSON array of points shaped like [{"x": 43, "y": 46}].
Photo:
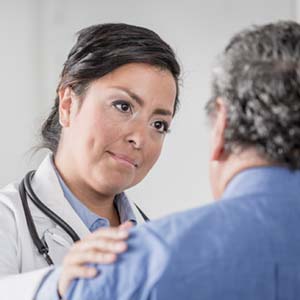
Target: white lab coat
[{"x": 22, "y": 268}]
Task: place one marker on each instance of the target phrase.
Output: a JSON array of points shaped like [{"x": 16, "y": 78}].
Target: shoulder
[
  {"x": 181, "y": 224},
  {"x": 215, "y": 225},
  {"x": 10, "y": 198},
  {"x": 11, "y": 213}
]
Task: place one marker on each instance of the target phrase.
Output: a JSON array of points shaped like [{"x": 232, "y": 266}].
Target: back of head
[{"x": 258, "y": 77}]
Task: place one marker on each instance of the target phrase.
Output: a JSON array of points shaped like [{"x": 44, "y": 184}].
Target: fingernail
[
  {"x": 110, "y": 256},
  {"x": 120, "y": 246},
  {"x": 122, "y": 233},
  {"x": 92, "y": 272},
  {"x": 127, "y": 224}
]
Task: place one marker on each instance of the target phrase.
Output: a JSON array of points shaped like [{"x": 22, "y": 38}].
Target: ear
[
  {"x": 219, "y": 125},
  {"x": 65, "y": 103}
]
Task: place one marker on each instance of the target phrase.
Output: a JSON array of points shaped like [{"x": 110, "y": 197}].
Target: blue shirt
[
  {"x": 48, "y": 289},
  {"x": 245, "y": 246},
  {"x": 90, "y": 219}
]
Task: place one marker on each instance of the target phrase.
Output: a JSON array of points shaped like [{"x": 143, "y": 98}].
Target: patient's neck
[{"x": 237, "y": 162}]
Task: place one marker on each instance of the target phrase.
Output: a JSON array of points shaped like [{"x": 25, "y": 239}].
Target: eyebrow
[{"x": 141, "y": 102}]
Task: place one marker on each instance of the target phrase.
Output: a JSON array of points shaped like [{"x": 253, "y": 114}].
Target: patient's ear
[
  {"x": 65, "y": 103},
  {"x": 218, "y": 130}
]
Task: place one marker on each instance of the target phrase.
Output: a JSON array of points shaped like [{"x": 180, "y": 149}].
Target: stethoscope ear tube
[
  {"x": 40, "y": 245},
  {"x": 48, "y": 212},
  {"x": 26, "y": 189},
  {"x": 146, "y": 219}
]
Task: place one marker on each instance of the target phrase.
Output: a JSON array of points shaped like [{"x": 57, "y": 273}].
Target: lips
[{"x": 124, "y": 159}]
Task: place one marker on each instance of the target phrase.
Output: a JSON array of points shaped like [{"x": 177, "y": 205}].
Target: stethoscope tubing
[
  {"x": 25, "y": 189},
  {"x": 48, "y": 212}
]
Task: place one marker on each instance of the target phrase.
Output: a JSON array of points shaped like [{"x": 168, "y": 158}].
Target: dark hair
[
  {"x": 100, "y": 49},
  {"x": 258, "y": 77}
]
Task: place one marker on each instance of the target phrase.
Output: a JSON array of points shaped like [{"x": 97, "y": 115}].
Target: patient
[{"x": 247, "y": 245}]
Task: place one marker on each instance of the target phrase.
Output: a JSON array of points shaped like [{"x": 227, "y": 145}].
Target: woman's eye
[
  {"x": 123, "y": 106},
  {"x": 161, "y": 126}
]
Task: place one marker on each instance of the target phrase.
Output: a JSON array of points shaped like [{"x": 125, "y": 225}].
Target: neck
[
  {"x": 99, "y": 203},
  {"x": 237, "y": 162}
]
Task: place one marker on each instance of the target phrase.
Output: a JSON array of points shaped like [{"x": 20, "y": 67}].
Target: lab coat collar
[{"x": 46, "y": 186}]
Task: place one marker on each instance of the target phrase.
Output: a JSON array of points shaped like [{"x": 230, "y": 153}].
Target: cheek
[
  {"x": 101, "y": 132},
  {"x": 154, "y": 154},
  {"x": 151, "y": 156}
]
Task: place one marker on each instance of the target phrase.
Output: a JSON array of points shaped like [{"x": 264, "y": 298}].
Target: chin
[
  {"x": 111, "y": 183},
  {"x": 113, "y": 189}
]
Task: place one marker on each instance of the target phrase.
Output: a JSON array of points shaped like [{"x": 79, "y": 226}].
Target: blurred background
[{"x": 36, "y": 36}]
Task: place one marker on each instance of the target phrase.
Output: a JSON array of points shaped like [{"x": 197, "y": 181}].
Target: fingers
[
  {"x": 114, "y": 233},
  {"x": 127, "y": 225},
  {"x": 82, "y": 271},
  {"x": 91, "y": 257},
  {"x": 72, "y": 273},
  {"x": 101, "y": 246}
]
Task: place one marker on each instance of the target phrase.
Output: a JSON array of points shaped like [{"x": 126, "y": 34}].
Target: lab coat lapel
[{"x": 47, "y": 187}]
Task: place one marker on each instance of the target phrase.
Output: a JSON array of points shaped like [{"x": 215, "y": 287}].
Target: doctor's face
[{"x": 111, "y": 138}]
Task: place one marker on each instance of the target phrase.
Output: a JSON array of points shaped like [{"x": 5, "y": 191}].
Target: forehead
[
  {"x": 150, "y": 83},
  {"x": 133, "y": 70}
]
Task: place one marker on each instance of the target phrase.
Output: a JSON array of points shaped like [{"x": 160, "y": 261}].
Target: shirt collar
[
  {"x": 262, "y": 180},
  {"x": 124, "y": 209},
  {"x": 90, "y": 219}
]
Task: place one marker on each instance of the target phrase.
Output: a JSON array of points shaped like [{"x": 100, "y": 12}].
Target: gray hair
[{"x": 258, "y": 77}]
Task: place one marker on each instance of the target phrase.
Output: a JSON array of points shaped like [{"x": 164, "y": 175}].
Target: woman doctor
[{"x": 116, "y": 98}]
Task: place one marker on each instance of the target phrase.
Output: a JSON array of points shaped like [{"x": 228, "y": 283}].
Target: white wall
[
  {"x": 19, "y": 85},
  {"x": 44, "y": 32}
]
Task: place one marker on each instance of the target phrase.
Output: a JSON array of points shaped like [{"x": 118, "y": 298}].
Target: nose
[{"x": 137, "y": 135}]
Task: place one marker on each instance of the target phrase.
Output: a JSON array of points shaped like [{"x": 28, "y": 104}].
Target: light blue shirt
[
  {"x": 245, "y": 246},
  {"x": 90, "y": 219},
  {"x": 48, "y": 289}
]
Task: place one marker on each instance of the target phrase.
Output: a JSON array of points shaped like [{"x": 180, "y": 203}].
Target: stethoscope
[{"x": 25, "y": 189}]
